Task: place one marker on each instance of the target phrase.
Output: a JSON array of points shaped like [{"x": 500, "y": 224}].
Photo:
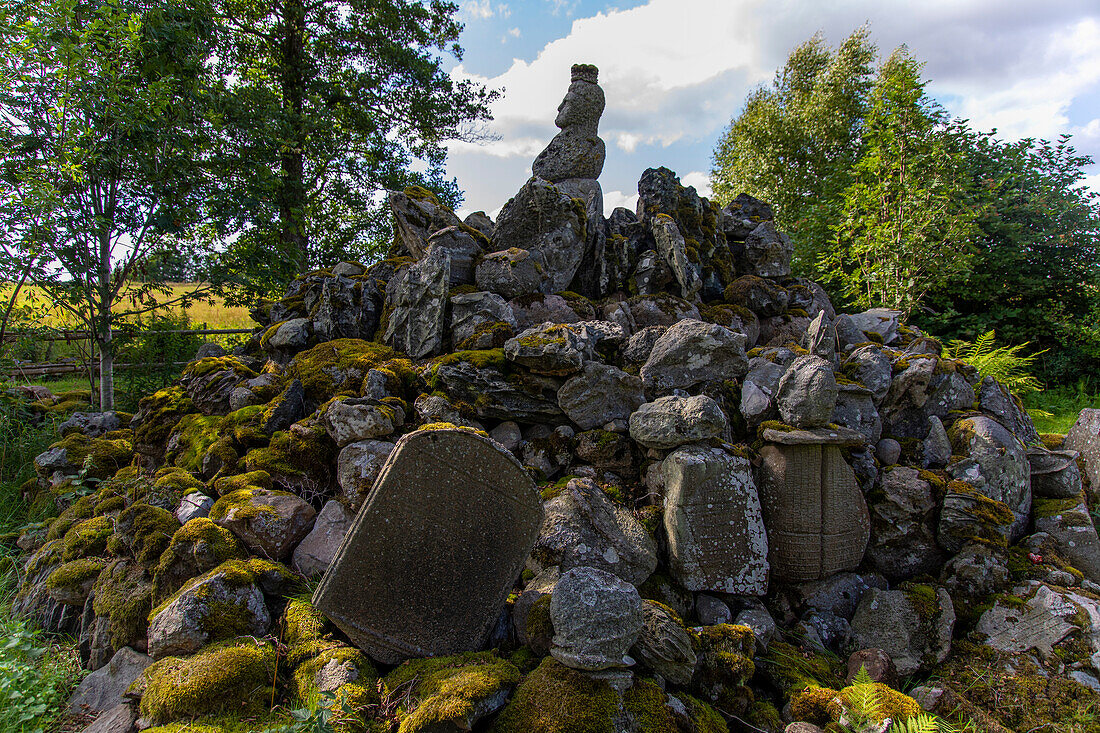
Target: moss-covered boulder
[
  {"x": 270, "y": 523},
  {"x": 195, "y": 548},
  {"x": 451, "y": 693},
  {"x": 336, "y": 367},
  {"x": 225, "y": 602},
  {"x": 210, "y": 381},
  {"x": 72, "y": 582},
  {"x": 143, "y": 532},
  {"x": 120, "y": 600},
  {"x": 155, "y": 419},
  {"x": 234, "y": 676},
  {"x": 298, "y": 460}
]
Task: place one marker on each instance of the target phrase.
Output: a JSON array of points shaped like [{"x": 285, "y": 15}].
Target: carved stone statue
[{"x": 576, "y": 151}]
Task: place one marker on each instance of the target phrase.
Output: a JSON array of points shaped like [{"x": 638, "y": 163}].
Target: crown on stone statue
[{"x": 584, "y": 72}]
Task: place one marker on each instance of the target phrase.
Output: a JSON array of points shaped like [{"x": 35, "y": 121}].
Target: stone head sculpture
[
  {"x": 576, "y": 151},
  {"x": 584, "y": 102}
]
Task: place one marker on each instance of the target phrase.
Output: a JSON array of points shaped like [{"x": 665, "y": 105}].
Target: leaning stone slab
[
  {"x": 815, "y": 513},
  {"x": 716, "y": 537},
  {"x": 1042, "y": 621},
  {"x": 429, "y": 560},
  {"x": 1084, "y": 437}
]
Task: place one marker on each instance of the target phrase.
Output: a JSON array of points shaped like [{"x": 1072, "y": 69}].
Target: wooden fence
[{"x": 71, "y": 366}]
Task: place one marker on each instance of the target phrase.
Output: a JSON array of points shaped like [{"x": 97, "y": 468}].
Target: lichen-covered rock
[
  {"x": 903, "y": 540},
  {"x": 912, "y": 624},
  {"x": 209, "y": 382},
  {"x": 555, "y": 349},
  {"x": 974, "y": 573},
  {"x": 664, "y": 645},
  {"x": 91, "y": 424},
  {"x": 601, "y": 394},
  {"x": 672, "y": 247},
  {"x": 417, "y": 297},
  {"x": 1054, "y": 474},
  {"x": 671, "y": 421},
  {"x": 193, "y": 506},
  {"x": 968, "y": 515},
  {"x": 768, "y": 251},
  {"x": 1084, "y": 437},
  {"x": 609, "y": 451},
  {"x": 72, "y": 582},
  {"x": 418, "y": 214},
  {"x": 222, "y": 677},
  {"x": 998, "y": 465},
  {"x": 470, "y": 312},
  {"x": 270, "y": 523},
  {"x": 356, "y": 419},
  {"x": 581, "y": 527},
  {"x": 882, "y": 322},
  {"x": 597, "y": 617},
  {"x": 357, "y": 467},
  {"x": 478, "y": 379},
  {"x": 314, "y": 554},
  {"x": 807, "y": 393},
  {"x": 541, "y": 218},
  {"x": 463, "y": 250},
  {"x": 712, "y": 518},
  {"x": 691, "y": 352},
  {"x": 221, "y": 604},
  {"x": 996, "y": 401},
  {"x": 1070, "y": 526},
  {"x": 869, "y": 366},
  {"x": 512, "y": 273},
  {"x": 856, "y": 409},
  {"x": 762, "y": 297}
]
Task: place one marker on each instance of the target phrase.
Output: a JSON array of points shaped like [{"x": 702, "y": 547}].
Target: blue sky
[{"x": 675, "y": 72}]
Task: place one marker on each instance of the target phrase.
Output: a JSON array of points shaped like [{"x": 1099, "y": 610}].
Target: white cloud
[
  {"x": 512, "y": 33},
  {"x": 698, "y": 179},
  {"x": 675, "y": 72},
  {"x": 614, "y": 199},
  {"x": 484, "y": 9}
]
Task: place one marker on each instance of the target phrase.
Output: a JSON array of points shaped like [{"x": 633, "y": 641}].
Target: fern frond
[
  {"x": 923, "y": 723},
  {"x": 862, "y": 677},
  {"x": 1006, "y": 364}
]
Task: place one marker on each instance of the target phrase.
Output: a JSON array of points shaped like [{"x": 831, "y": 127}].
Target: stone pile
[{"x": 654, "y": 472}]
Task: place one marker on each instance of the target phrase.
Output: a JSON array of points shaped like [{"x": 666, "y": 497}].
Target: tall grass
[
  {"x": 1054, "y": 410},
  {"x": 37, "y": 672}
]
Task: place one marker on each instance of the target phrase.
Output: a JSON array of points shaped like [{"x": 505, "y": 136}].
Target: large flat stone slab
[{"x": 430, "y": 558}]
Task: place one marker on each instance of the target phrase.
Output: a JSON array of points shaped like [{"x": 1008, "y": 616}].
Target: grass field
[
  {"x": 1055, "y": 409},
  {"x": 210, "y": 313}
]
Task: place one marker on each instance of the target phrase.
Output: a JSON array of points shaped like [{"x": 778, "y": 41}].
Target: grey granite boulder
[
  {"x": 597, "y": 618},
  {"x": 807, "y": 393},
  {"x": 357, "y": 466},
  {"x": 1084, "y": 437},
  {"x": 463, "y": 251},
  {"x": 360, "y": 418},
  {"x": 103, "y": 689},
  {"x": 691, "y": 352},
  {"x": 903, "y": 538},
  {"x": 768, "y": 251},
  {"x": 664, "y": 645},
  {"x": 192, "y": 506},
  {"x": 1054, "y": 474},
  {"x": 671, "y": 247},
  {"x": 417, "y": 214},
  {"x": 472, "y": 311},
  {"x": 713, "y": 521},
  {"x": 999, "y": 467},
  {"x": 672, "y": 421},
  {"x": 553, "y": 348},
  {"x": 495, "y": 397},
  {"x": 996, "y": 401},
  {"x": 1070, "y": 526},
  {"x": 869, "y": 366},
  {"x": 881, "y": 321},
  {"x": 197, "y": 614},
  {"x": 855, "y": 409},
  {"x": 913, "y": 626},
  {"x": 541, "y": 218},
  {"x": 512, "y": 272},
  {"x": 417, "y": 297},
  {"x": 314, "y": 554},
  {"x": 91, "y": 424},
  {"x": 582, "y": 527},
  {"x": 599, "y": 395},
  {"x": 271, "y": 523}
]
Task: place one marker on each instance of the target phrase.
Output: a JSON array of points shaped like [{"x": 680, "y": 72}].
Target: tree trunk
[
  {"x": 103, "y": 327},
  {"x": 292, "y": 195}
]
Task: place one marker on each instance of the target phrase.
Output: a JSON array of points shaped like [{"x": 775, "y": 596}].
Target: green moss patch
[
  {"x": 557, "y": 699},
  {"x": 336, "y": 367},
  {"x": 232, "y": 676},
  {"x": 196, "y": 547}
]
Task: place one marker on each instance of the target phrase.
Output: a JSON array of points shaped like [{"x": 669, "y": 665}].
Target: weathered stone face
[
  {"x": 428, "y": 562},
  {"x": 716, "y": 537},
  {"x": 815, "y": 513},
  {"x": 419, "y": 300}
]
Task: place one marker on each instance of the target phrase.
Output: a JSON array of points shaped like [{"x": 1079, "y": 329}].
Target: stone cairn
[{"x": 562, "y": 472}]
